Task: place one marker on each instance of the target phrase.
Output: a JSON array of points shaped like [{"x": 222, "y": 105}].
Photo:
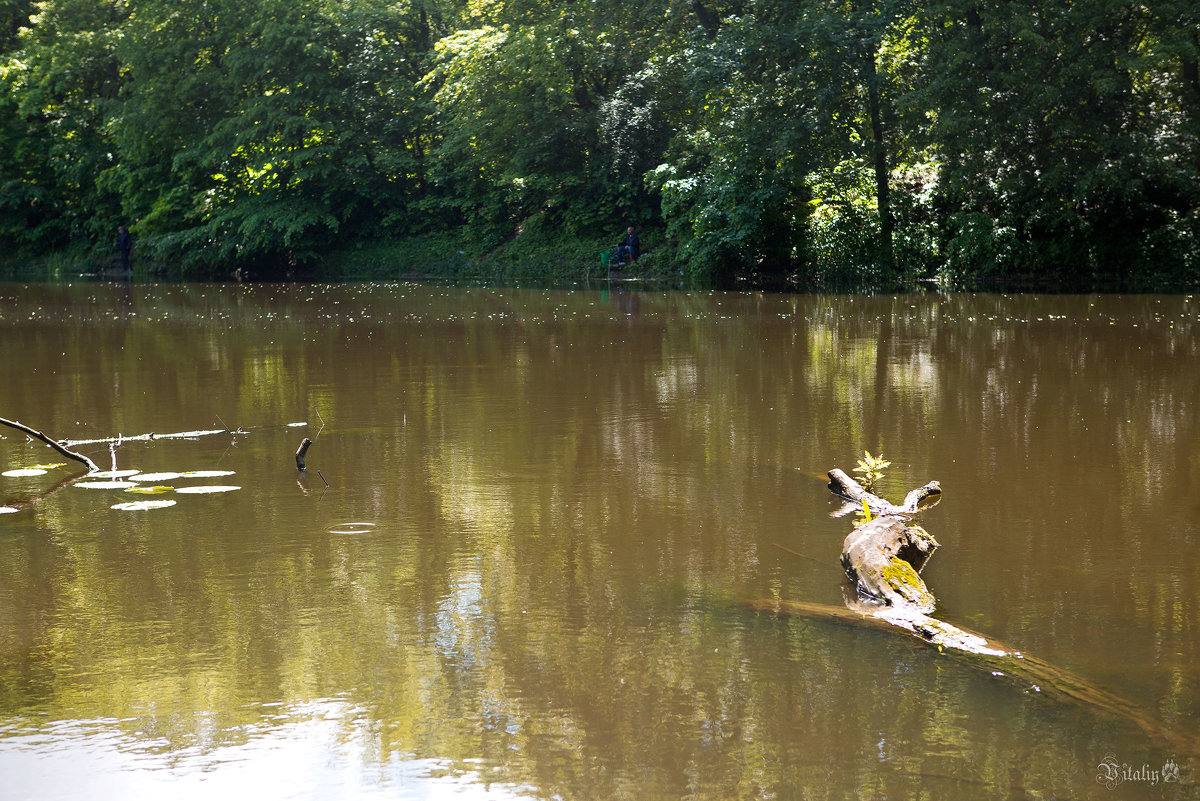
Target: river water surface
[{"x": 517, "y": 563}]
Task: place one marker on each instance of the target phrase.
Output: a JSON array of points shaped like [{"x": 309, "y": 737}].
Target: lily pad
[
  {"x": 153, "y": 489},
  {"x": 206, "y": 489},
  {"x": 114, "y": 474},
  {"x": 142, "y": 506},
  {"x": 24, "y": 472},
  {"x": 296, "y": 425},
  {"x": 105, "y": 484},
  {"x": 142, "y": 478},
  {"x": 8, "y": 510},
  {"x": 207, "y": 473}
]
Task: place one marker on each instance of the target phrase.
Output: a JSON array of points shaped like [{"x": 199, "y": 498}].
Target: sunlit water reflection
[
  {"x": 514, "y": 564},
  {"x": 320, "y": 749}
]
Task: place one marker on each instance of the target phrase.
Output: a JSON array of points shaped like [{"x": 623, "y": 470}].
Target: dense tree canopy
[{"x": 865, "y": 140}]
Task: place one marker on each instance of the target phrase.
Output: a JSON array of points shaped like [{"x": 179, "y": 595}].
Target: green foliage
[
  {"x": 871, "y": 468},
  {"x": 257, "y": 134},
  {"x": 1067, "y": 146},
  {"x": 59, "y": 81},
  {"x": 534, "y": 108},
  {"x": 733, "y": 181},
  {"x": 848, "y": 142}
]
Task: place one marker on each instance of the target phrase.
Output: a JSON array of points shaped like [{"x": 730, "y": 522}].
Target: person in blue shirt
[
  {"x": 630, "y": 247},
  {"x": 124, "y": 245}
]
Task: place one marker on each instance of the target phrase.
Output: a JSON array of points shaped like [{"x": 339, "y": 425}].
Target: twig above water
[
  {"x": 147, "y": 437},
  {"x": 38, "y": 435}
]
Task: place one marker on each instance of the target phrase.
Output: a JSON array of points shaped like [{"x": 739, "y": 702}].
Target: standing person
[
  {"x": 125, "y": 245},
  {"x": 630, "y": 246}
]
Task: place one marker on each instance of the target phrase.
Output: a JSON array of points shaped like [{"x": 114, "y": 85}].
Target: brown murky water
[{"x": 543, "y": 508}]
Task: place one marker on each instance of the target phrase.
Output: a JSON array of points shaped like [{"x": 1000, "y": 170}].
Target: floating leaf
[
  {"x": 154, "y": 489},
  {"x": 142, "y": 506},
  {"x": 296, "y": 425},
  {"x": 7, "y": 510},
  {"x": 24, "y": 472},
  {"x": 114, "y": 474},
  {"x": 207, "y": 473},
  {"x": 204, "y": 490},
  {"x": 105, "y": 484},
  {"x": 50, "y": 466},
  {"x": 152, "y": 477}
]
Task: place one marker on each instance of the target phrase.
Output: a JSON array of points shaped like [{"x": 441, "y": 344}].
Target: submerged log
[
  {"x": 883, "y": 559},
  {"x": 1028, "y": 673}
]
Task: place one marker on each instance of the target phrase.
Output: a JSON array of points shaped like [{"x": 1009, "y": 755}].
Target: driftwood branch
[
  {"x": 844, "y": 486},
  {"x": 38, "y": 435},
  {"x": 303, "y": 449},
  {"x": 121, "y": 438}
]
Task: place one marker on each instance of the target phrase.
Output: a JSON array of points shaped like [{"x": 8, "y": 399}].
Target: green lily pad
[
  {"x": 8, "y": 510},
  {"x": 114, "y": 474},
  {"x": 24, "y": 472},
  {"x": 142, "y": 478},
  {"x": 207, "y": 473},
  {"x": 105, "y": 484},
  {"x": 142, "y": 506},
  {"x": 204, "y": 490},
  {"x": 153, "y": 489}
]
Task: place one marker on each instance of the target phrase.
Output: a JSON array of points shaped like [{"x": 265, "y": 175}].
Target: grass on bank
[
  {"x": 435, "y": 257},
  {"x": 447, "y": 257}
]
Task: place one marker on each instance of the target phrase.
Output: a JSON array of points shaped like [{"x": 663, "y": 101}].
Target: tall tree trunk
[
  {"x": 879, "y": 156},
  {"x": 1190, "y": 93}
]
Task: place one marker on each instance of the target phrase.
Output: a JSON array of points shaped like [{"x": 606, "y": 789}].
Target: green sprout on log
[{"x": 871, "y": 469}]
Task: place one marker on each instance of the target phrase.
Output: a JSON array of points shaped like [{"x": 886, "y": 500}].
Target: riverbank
[
  {"x": 535, "y": 258},
  {"x": 433, "y": 257}
]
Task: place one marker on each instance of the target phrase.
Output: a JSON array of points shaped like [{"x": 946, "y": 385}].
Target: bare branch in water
[{"x": 38, "y": 435}]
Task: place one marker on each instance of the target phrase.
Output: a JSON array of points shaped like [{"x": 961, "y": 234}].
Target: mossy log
[{"x": 884, "y": 558}]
